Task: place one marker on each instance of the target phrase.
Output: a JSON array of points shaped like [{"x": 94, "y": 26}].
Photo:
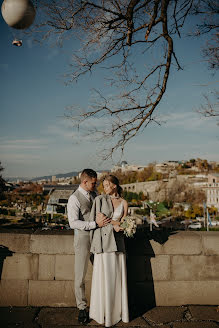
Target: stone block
[
  {"x": 185, "y": 242},
  {"x": 176, "y": 293},
  {"x": 204, "y": 312},
  {"x": 54, "y": 293},
  {"x": 197, "y": 324},
  {"x": 64, "y": 267},
  {"x": 52, "y": 244},
  {"x": 16, "y": 242},
  {"x": 164, "y": 314},
  {"x": 194, "y": 268},
  {"x": 46, "y": 267},
  {"x": 58, "y": 317},
  {"x": 20, "y": 266},
  {"x": 138, "y": 322},
  {"x": 210, "y": 241},
  {"x": 17, "y": 316},
  {"x": 160, "y": 267},
  {"x": 51, "y": 293},
  {"x": 13, "y": 292}
]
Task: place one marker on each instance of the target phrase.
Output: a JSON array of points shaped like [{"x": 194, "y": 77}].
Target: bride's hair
[{"x": 115, "y": 181}]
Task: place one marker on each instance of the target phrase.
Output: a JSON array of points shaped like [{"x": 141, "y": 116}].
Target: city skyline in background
[{"x": 36, "y": 139}]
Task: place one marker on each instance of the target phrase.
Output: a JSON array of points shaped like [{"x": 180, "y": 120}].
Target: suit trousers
[{"x": 82, "y": 255}]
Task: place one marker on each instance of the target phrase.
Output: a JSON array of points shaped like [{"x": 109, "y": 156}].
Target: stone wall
[
  {"x": 158, "y": 190},
  {"x": 37, "y": 269}
]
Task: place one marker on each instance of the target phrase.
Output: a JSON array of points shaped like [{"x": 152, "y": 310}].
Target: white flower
[{"x": 129, "y": 226}]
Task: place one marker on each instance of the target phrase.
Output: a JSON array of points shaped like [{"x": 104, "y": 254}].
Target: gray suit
[{"x": 82, "y": 249}]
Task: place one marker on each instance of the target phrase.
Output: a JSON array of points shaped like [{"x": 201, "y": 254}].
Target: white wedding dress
[{"x": 109, "y": 293}]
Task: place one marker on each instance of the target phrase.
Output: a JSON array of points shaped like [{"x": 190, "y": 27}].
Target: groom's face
[{"x": 90, "y": 184}]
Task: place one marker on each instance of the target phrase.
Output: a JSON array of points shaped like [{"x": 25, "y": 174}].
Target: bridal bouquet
[{"x": 129, "y": 226}]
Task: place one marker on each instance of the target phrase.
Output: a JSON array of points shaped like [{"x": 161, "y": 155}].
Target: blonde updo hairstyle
[{"x": 115, "y": 181}]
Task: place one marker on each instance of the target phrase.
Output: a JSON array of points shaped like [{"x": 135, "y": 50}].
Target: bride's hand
[
  {"x": 117, "y": 228},
  {"x": 115, "y": 223}
]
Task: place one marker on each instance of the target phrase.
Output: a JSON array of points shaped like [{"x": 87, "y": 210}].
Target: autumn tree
[
  {"x": 112, "y": 35},
  {"x": 146, "y": 173}
]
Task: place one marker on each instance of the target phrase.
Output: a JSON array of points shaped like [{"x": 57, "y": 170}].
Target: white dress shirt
[{"x": 73, "y": 208}]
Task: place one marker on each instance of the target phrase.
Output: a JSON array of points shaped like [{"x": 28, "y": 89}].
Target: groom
[{"x": 79, "y": 207}]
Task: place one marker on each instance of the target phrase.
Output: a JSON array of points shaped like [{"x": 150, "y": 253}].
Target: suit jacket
[{"x": 105, "y": 239}]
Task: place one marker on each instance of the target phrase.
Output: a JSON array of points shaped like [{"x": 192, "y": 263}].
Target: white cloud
[
  {"x": 21, "y": 158},
  {"x": 187, "y": 121},
  {"x": 65, "y": 129},
  {"x": 10, "y": 144}
]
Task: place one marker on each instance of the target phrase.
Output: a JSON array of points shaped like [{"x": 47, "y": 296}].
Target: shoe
[{"x": 83, "y": 317}]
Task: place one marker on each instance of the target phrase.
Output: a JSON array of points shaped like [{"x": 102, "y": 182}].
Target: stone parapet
[{"x": 182, "y": 268}]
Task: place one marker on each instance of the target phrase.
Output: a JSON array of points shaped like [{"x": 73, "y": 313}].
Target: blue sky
[{"x": 35, "y": 139}]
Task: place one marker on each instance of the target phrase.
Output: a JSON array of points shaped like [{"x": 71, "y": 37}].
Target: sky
[{"x": 36, "y": 139}]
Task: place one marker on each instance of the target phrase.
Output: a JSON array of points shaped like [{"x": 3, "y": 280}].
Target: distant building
[
  {"x": 102, "y": 174},
  {"x": 125, "y": 167},
  {"x": 58, "y": 199},
  {"x": 166, "y": 167},
  {"x": 213, "y": 190}
]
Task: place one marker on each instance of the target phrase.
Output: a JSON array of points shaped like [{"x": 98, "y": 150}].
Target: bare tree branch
[{"x": 112, "y": 33}]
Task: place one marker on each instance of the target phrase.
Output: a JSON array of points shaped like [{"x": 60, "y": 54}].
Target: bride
[{"x": 109, "y": 295}]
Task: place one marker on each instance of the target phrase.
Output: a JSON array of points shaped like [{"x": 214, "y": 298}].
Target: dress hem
[{"x": 113, "y": 324}]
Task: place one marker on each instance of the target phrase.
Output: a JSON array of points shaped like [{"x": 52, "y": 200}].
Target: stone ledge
[
  {"x": 210, "y": 242},
  {"x": 52, "y": 244},
  {"x": 181, "y": 243},
  {"x": 16, "y": 242}
]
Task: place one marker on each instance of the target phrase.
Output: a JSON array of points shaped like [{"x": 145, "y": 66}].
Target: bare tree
[
  {"x": 209, "y": 10},
  {"x": 210, "y": 108},
  {"x": 112, "y": 34}
]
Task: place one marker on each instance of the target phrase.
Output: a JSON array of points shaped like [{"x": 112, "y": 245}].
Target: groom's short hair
[{"x": 88, "y": 173}]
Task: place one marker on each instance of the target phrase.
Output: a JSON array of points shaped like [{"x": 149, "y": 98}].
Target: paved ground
[{"x": 188, "y": 316}]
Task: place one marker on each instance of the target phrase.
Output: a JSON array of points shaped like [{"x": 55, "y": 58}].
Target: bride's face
[{"x": 109, "y": 187}]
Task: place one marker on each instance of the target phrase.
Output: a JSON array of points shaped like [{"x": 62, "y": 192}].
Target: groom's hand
[{"x": 102, "y": 220}]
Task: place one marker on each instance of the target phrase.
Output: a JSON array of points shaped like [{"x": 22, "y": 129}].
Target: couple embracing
[{"x": 96, "y": 223}]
